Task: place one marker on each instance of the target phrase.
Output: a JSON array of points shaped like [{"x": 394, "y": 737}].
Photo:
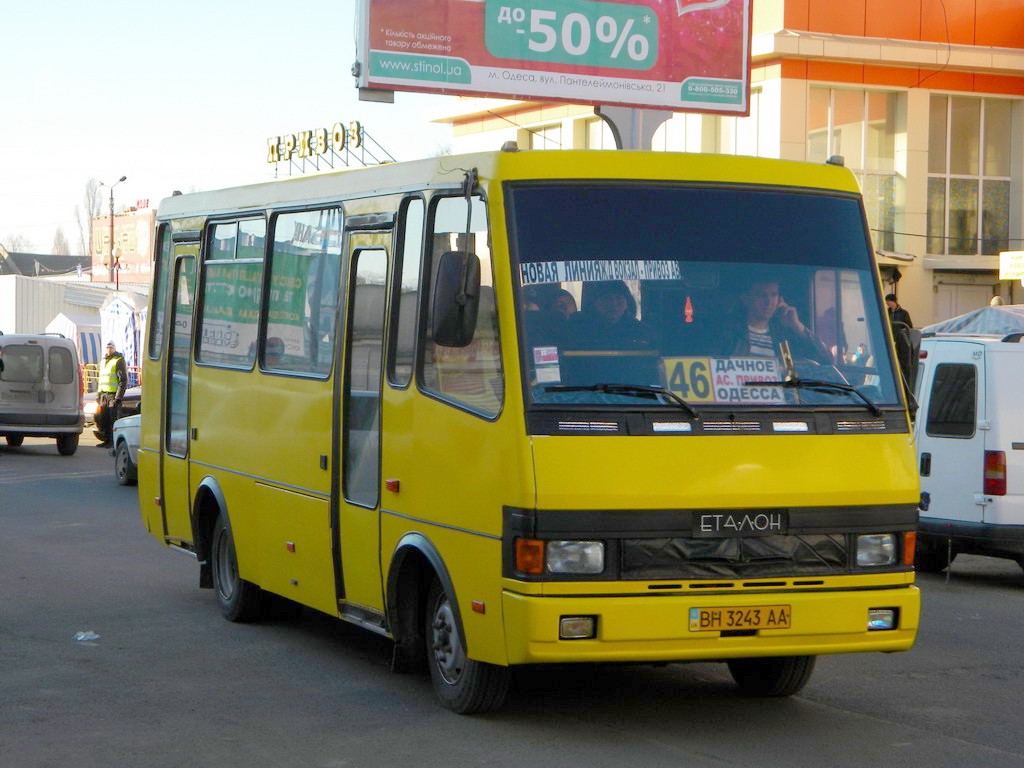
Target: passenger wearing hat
[
  {"x": 112, "y": 384},
  {"x": 607, "y": 319}
]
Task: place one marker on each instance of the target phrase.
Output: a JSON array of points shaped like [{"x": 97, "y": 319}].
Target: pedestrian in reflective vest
[{"x": 113, "y": 382}]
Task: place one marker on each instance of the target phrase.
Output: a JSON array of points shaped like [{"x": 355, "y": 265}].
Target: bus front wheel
[
  {"x": 781, "y": 676},
  {"x": 239, "y": 600},
  {"x": 463, "y": 685}
]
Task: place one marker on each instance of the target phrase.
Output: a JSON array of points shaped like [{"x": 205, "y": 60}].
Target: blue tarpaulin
[{"x": 987, "y": 321}]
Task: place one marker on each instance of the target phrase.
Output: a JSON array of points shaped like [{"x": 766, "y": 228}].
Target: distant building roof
[{"x": 41, "y": 264}]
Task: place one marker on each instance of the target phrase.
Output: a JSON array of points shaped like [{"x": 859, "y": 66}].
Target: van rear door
[{"x": 951, "y": 430}]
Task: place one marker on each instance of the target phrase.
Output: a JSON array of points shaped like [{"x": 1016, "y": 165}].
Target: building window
[
  {"x": 742, "y": 135},
  {"x": 599, "y": 135},
  {"x": 546, "y": 137},
  {"x": 869, "y": 130},
  {"x": 968, "y": 176}
]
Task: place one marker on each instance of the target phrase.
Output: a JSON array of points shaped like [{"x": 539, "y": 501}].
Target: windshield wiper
[
  {"x": 634, "y": 390},
  {"x": 814, "y": 385}
]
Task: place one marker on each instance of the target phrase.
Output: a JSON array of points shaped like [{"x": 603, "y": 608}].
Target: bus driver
[{"x": 767, "y": 321}]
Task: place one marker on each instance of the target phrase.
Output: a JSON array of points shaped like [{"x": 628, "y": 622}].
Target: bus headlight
[
  {"x": 876, "y": 549},
  {"x": 575, "y": 557}
]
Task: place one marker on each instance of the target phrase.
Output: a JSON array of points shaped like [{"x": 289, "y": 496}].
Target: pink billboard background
[{"x": 702, "y": 39}]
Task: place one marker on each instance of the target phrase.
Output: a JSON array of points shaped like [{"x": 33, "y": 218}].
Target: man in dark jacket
[
  {"x": 112, "y": 384},
  {"x": 897, "y": 314}
]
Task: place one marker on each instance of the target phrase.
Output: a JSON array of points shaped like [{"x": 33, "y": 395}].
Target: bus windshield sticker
[
  {"x": 534, "y": 273},
  {"x": 724, "y": 379},
  {"x": 545, "y": 361}
]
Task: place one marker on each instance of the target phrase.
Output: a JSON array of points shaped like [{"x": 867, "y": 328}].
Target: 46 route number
[{"x": 690, "y": 378}]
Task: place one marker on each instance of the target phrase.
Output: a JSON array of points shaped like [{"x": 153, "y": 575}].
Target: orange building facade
[{"x": 924, "y": 100}]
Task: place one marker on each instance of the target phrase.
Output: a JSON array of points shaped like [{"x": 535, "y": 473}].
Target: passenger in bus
[
  {"x": 564, "y": 303},
  {"x": 608, "y": 320},
  {"x": 766, "y": 320}
]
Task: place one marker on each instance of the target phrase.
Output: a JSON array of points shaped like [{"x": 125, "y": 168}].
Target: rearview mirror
[{"x": 456, "y": 298}]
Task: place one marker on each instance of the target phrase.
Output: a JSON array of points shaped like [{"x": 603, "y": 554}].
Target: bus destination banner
[{"x": 687, "y": 55}]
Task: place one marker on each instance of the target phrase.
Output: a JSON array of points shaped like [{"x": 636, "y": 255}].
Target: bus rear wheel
[
  {"x": 15, "y": 440},
  {"x": 239, "y": 600},
  {"x": 463, "y": 685},
  {"x": 776, "y": 676}
]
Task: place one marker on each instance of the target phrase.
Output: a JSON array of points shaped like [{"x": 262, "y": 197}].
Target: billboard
[{"x": 682, "y": 55}]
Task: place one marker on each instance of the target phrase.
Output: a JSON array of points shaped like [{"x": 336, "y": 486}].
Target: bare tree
[
  {"x": 93, "y": 205},
  {"x": 60, "y": 245},
  {"x": 17, "y": 244}
]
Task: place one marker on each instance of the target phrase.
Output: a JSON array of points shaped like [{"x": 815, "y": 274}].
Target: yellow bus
[{"x": 520, "y": 408}]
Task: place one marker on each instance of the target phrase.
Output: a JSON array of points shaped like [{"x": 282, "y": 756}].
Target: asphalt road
[{"x": 168, "y": 682}]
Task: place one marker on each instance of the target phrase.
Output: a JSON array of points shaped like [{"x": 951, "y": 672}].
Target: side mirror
[{"x": 456, "y": 298}]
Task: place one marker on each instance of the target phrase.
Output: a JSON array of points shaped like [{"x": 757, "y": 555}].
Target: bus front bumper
[{"x": 643, "y": 628}]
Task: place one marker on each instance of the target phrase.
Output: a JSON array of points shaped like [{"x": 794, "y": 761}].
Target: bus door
[
  {"x": 359, "y": 524},
  {"x": 176, "y": 494}
]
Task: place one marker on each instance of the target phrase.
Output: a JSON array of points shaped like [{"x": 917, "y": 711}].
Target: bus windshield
[{"x": 718, "y": 296}]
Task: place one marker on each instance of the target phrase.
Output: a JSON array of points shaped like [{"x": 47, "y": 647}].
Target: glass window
[
  {"x": 302, "y": 304},
  {"x": 937, "y": 132},
  {"x": 232, "y": 284},
  {"x": 472, "y": 375},
  {"x": 995, "y": 216},
  {"x": 997, "y": 137},
  {"x": 866, "y": 128},
  {"x": 163, "y": 271},
  {"x": 62, "y": 366},
  {"x": 181, "y": 339},
  {"x": 546, "y": 137},
  {"x": 599, "y": 135},
  {"x": 953, "y": 404},
  {"x": 965, "y": 136},
  {"x": 714, "y": 313},
  {"x": 23, "y": 364},
  {"x": 818, "y": 109},
  {"x": 407, "y": 291},
  {"x": 963, "y": 216},
  {"x": 969, "y": 206},
  {"x": 365, "y": 355}
]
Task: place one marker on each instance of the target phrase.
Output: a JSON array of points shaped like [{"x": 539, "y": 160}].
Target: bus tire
[
  {"x": 67, "y": 444},
  {"x": 463, "y": 685},
  {"x": 776, "y": 676},
  {"x": 239, "y": 600},
  {"x": 15, "y": 440}
]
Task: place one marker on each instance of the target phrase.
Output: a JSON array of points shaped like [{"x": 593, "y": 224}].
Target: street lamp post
[{"x": 114, "y": 265}]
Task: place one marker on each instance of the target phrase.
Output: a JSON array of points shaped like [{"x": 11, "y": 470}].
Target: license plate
[{"x": 750, "y": 617}]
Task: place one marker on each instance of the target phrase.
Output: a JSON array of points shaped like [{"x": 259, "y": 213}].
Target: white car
[{"x": 126, "y": 449}]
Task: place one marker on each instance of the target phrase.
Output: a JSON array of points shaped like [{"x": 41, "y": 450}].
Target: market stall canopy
[{"x": 987, "y": 321}]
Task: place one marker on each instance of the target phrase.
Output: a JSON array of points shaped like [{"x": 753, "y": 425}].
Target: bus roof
[{"x": 447, "y": 172}]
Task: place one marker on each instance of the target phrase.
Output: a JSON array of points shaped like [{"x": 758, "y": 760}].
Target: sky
[{"x": 178, "y": 95}]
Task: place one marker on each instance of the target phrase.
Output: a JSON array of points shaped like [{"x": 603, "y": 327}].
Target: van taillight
[{"x": 995, "y": 473}]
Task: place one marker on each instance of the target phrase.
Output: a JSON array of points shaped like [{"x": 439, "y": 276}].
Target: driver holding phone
[{"x": 767, "y": 321}]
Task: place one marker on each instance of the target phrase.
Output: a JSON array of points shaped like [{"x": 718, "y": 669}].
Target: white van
[
  {"x": 970, "y": 443},
  {"x": 40, "y": 390}
]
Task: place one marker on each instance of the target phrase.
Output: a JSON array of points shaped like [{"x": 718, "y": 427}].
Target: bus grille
[{"x": 735, "y": 558}]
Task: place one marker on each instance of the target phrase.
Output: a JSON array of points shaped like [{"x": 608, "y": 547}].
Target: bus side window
[
  {"x": 471, "y": 376},
  {"x": 362, "y": 403},
  {"x": 407, "y": 288},
  {"x": 302, "y": 305}
]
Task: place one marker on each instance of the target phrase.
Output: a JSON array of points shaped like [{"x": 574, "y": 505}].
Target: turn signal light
[
  {"x": 530, "y": 556},
  {"x": 909, "y": 547}
]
